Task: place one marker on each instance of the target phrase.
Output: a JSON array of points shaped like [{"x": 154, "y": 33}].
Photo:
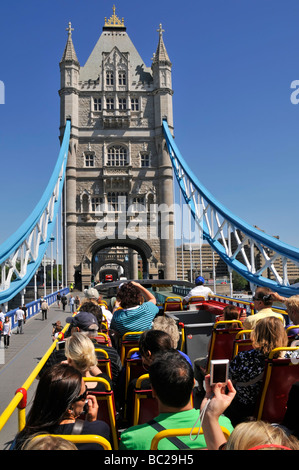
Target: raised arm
[
  {"x": 219, "y": 401},
  {"x": 149, "y": 297}
]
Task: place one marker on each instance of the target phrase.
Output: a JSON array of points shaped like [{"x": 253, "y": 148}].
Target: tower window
[
  {"x": 89, "y": 159},
  {"x": 134, "y": 104},
  {"x": 122, "y": 103},
  {"x": 117, "y": 156},
  {"x": 110, "y": 103},
  {"x": 109, "y": 78},
  {"x": 96, "y": 204},
  {"x": 97, "y": 104},
  {"x": 122, "y": 78},
  {"x": 117, "y": 201},
  {"x": 145, "y": 160}
]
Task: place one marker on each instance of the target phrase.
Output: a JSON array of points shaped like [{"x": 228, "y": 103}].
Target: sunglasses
[{"x": 83, "y": 396}]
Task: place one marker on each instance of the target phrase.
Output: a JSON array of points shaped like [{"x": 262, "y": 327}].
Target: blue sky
[{"x": 233, "y": 64}]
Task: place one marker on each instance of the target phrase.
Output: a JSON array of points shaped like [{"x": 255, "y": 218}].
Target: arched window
[{"x": 117, "y": 156}]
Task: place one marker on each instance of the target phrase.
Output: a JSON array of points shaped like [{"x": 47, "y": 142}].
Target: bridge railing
[{"x": 33, "y": 308}]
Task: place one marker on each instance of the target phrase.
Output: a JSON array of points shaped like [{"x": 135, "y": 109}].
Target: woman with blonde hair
[
  {"x": 247, "y": 368},
  {"x": 80, "y": 353}
]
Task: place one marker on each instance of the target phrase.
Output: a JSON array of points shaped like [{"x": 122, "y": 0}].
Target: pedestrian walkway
[{"x": 22, "y": 356}]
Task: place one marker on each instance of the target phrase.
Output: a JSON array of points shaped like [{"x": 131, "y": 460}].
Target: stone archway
[{"x": 138, "y": 245}]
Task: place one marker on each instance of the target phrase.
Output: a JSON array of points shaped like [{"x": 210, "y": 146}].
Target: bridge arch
[{"x": 138, "y": 245}]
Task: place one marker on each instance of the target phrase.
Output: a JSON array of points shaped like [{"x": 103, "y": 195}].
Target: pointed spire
[
  {"x": 69, "y": 53},
  {"x": 161, "y": 52}
]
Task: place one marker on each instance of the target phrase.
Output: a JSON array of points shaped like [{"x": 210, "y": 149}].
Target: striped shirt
[{"x": 134, "y": 319}]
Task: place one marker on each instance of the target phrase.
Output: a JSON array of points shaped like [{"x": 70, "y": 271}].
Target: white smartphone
[{"x": 219, "y": 371}]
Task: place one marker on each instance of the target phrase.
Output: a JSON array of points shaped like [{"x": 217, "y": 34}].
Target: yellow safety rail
[
  {"x": 81, "y": 439},
  {"x": 180, "y": 432},
  {"x": 20, "y": 399}
]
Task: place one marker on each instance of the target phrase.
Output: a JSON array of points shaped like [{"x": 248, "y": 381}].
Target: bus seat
[
  {"x": 145, "y": 406},
  {"x": 279, "y": 376},
  {"x": 195, "y": 299},
  {"x": 103, "y": 338},
  {"x": 173, "y": 304},
  {"x": 222, "y": 341},
  {"x": 242, "y": 342},
  {"x": 107, "y": 410},
  {"x": 104, "y": 362},
  {"x": 128, "y": 341}
]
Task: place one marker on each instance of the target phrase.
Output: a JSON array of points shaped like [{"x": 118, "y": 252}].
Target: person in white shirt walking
[
  {"x": 20, "y": 316},
  {"x": 6, "y": 331}
]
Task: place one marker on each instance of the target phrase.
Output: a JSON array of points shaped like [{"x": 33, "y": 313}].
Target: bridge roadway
[{"x": 22, "y": 356}]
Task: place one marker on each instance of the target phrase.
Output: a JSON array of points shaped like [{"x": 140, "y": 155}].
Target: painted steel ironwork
[
  {"x": 22, "y": 253},
  {"x": 237, "y": 243}
]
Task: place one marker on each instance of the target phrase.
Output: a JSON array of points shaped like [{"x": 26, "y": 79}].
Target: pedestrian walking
[
  {"x": 44, "y": 308},
  {"x": 77, "y": 302},
  {"x": 6, "y": 332},
  {"x": 58, "y": 299},
  {"x": 20, "y": 316},
  {"x": 63, "y": 301},
  {"x": 2, "y": 319},
  {"x": 72, "y": 304}
]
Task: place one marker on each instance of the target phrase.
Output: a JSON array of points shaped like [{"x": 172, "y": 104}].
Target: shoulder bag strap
[
  {"x": 78, "y": 426},
  {"x": 175, "y": 440}
]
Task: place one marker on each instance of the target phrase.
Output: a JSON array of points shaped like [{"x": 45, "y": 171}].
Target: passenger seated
[
  {"x": 87, "y": 323},
  {"x": 198, "y": 291},
  {"x": 151, "y": 343},
  {"x": 172, "y": 382},
  {"x": 169, "y": 325},
  {"x": 246, "y": 369},
  {"x": 230, "y": 312},
  {"x": 59, "y": 400},
  {"x": 131, "y": 313},
  {"x": 80, "y": 353},
  {"x": 263, "y": 301}
]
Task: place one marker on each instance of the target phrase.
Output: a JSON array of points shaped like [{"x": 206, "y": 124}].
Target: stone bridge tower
[{"x": 119, "y": 185}]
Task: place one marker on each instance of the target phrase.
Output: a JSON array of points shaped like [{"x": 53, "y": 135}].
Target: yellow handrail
[
  {"x": 21, "y": 393},
  {"x": 81, "y": 439},
  {"x": 180, "y": 432}
]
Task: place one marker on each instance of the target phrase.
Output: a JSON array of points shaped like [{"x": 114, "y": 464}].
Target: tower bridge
[{"x": 113, "y": 186}]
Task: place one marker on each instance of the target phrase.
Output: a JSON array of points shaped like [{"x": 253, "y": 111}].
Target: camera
[
  {"x": 60, "y": 345},
  {"x": 85, "y": 407},
  {"x": 219, "y": 371}
]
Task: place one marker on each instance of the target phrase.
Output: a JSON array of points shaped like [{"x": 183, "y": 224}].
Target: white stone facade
[{"x": 116, "y": 105}]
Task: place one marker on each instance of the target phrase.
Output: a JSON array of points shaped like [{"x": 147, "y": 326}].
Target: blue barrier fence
[{"x": 33, "y": 308}]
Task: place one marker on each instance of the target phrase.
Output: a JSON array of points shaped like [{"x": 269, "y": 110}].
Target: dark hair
[
  {"x": 57, "y": 389},
  {"x": 231, "y": 313},
  {"x": 264, "y": 294},
  {"x": 172, "y": 378},
  {"x": 129, "y": 295},
  {"x": 91, "y": 306},
  {"x": 154, "y": 341}
]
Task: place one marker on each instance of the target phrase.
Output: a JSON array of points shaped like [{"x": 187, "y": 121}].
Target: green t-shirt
[{"x": 140, "y": 437}]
